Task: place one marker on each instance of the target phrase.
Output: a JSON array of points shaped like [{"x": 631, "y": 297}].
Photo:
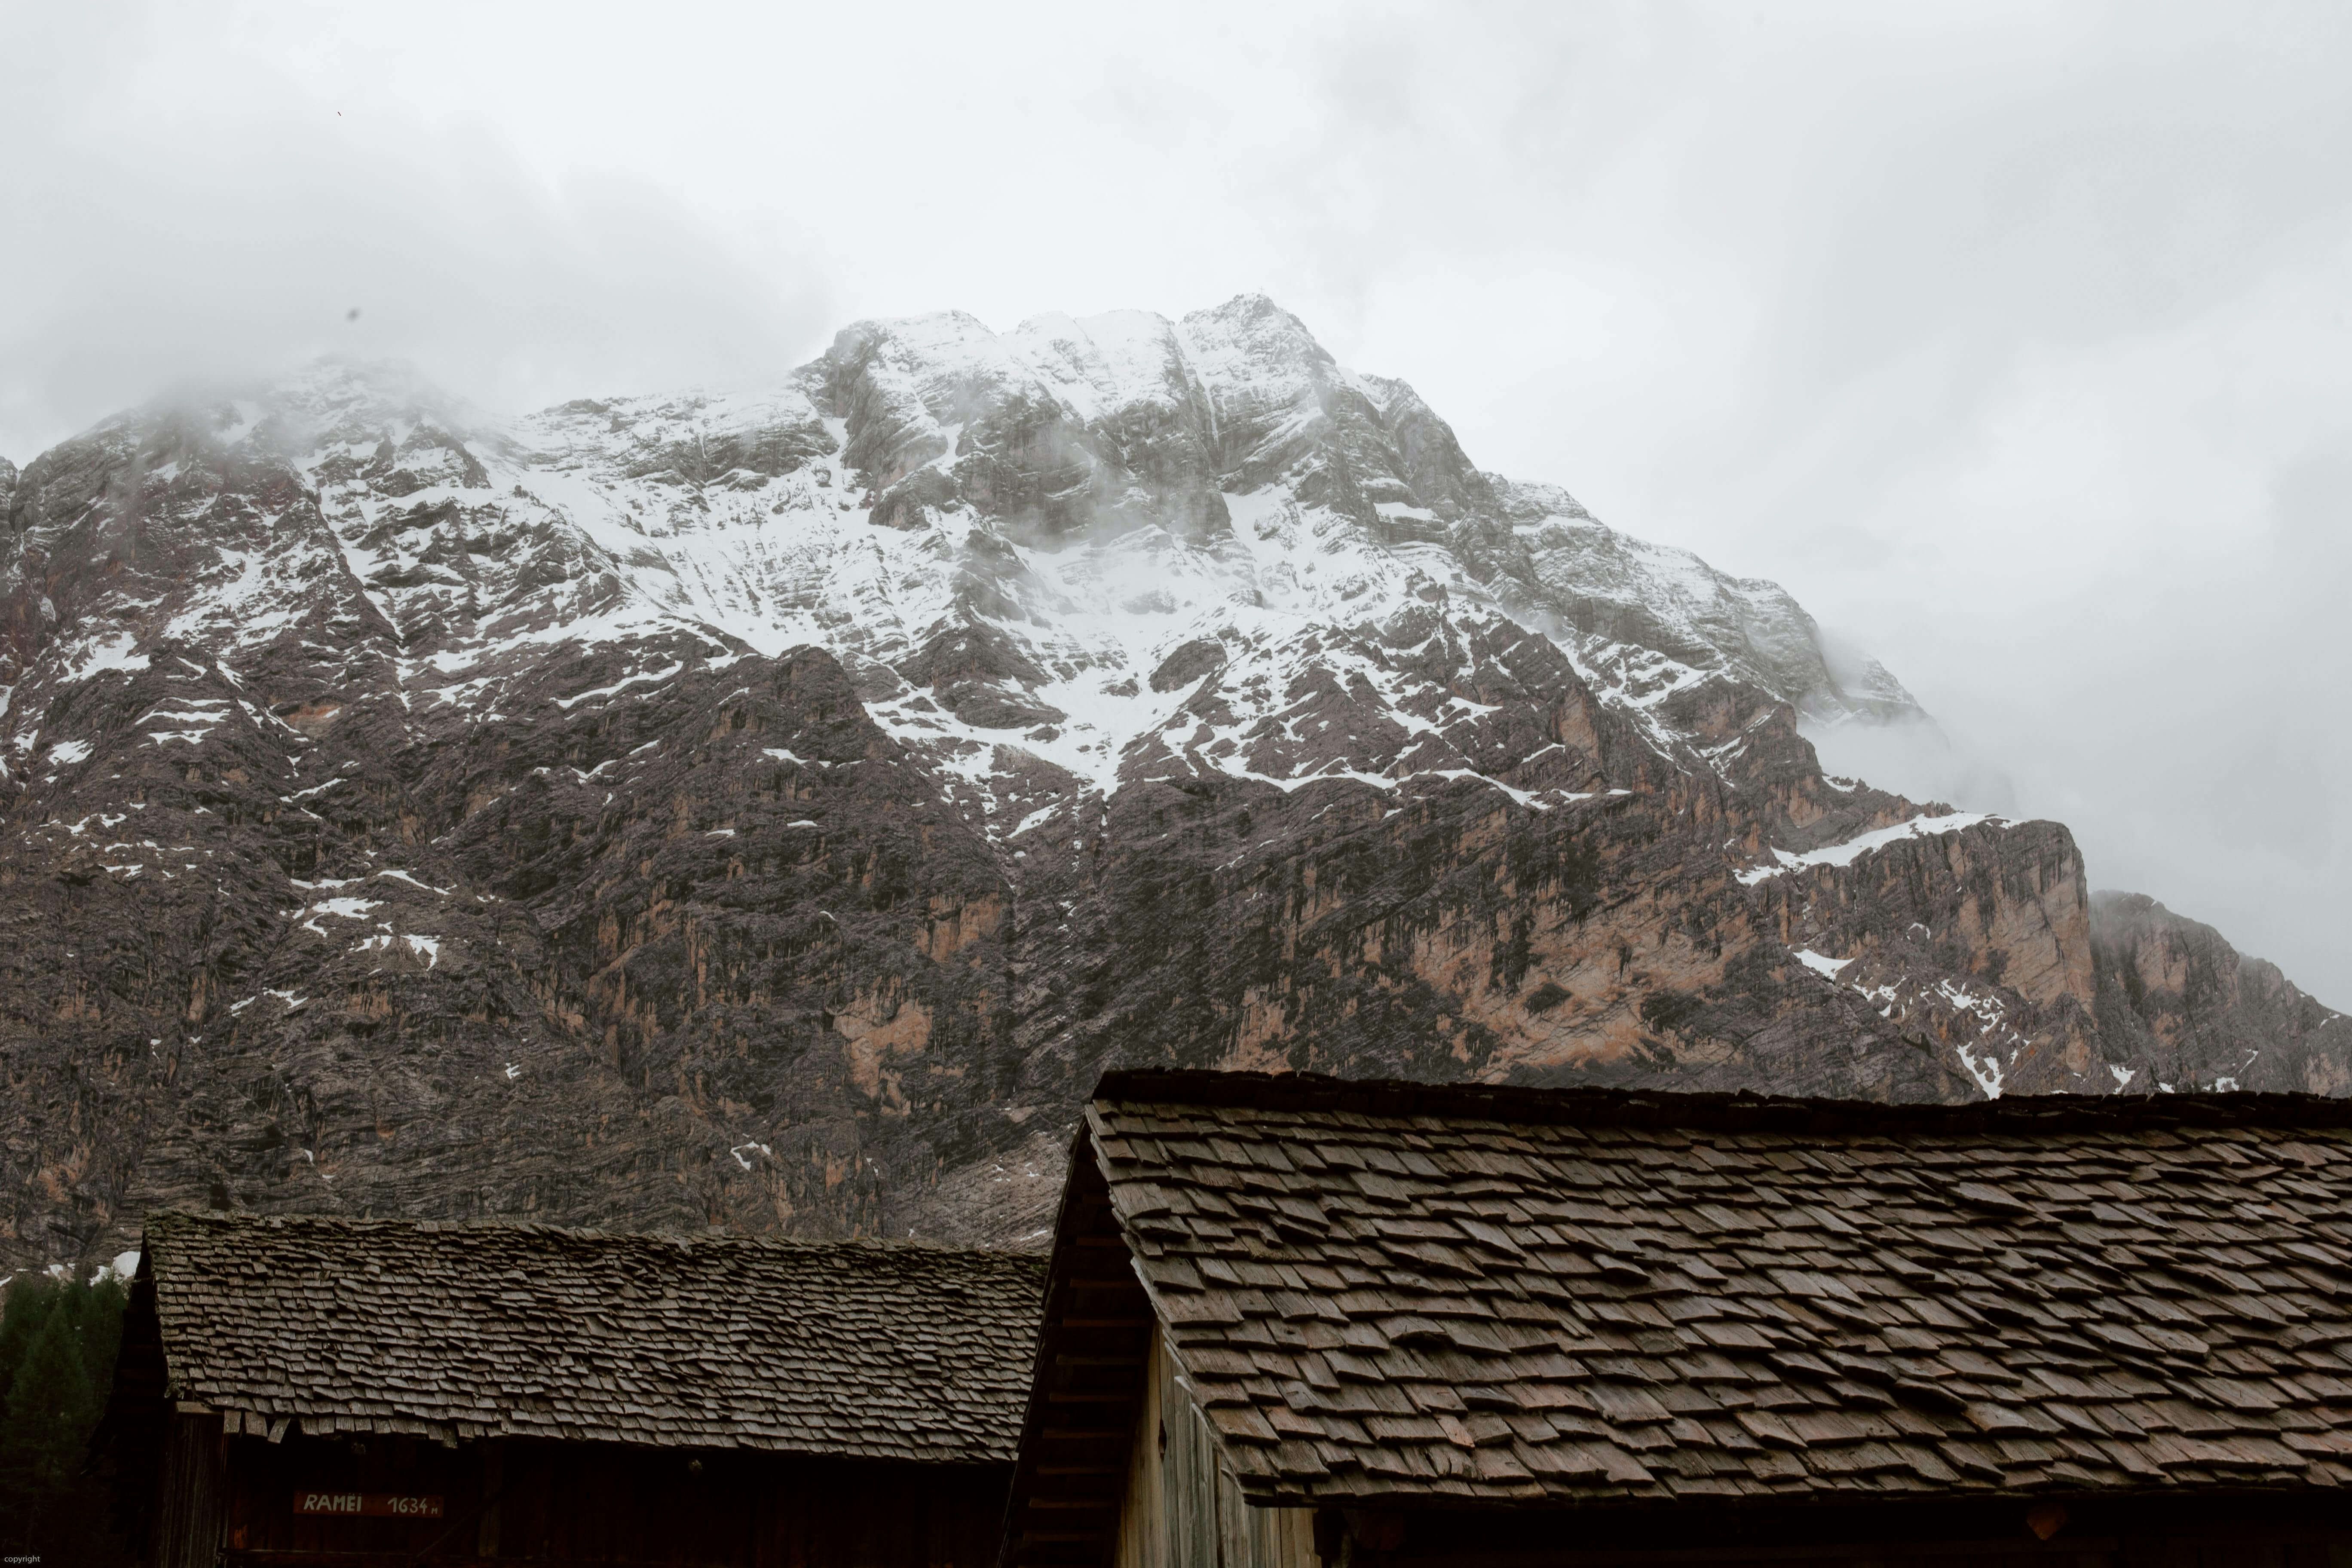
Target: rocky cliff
[
  {"x": 2178, "y": 997},
  {"x": 772, "y": 810}
]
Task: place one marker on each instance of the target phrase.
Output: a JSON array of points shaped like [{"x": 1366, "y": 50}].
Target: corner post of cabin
[{"x": 191, "y": 1508}]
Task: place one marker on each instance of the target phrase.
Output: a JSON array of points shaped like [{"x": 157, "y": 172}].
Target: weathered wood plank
[
  {"x": 1183, "y": 1508},
  {"x": 191, "y": 1508}
]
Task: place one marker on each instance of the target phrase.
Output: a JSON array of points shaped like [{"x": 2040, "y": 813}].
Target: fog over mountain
[{"x": 2011, "y": 338}]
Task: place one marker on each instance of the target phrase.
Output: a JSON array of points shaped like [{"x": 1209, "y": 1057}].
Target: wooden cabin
[
  {"x": 1294, "y": 1320},
  {"x": 300, "y": 1391}
]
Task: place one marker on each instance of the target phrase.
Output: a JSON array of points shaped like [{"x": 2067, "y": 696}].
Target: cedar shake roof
[
  {"x": 460, "y": 1331},
  {"x": 1500, "y": 1294}
]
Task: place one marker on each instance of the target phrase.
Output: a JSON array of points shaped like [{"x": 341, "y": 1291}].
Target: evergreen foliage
[{"x": 58, "y": 1343}]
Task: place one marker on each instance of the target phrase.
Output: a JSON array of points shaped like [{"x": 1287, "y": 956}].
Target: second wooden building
[{"x": 301, "y": 1392}]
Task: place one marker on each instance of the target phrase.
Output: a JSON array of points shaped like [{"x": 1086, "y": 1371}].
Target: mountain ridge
[{"x": 771, "y": 808}]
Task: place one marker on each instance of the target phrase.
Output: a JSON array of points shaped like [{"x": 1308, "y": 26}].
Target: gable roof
[
  {"x": 460, "y": 1331},
  {"x": 1394, "y": 1290}
]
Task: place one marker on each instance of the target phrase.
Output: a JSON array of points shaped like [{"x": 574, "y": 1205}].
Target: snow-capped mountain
[
  {"x": 1058, "y": 512},
  {"x": 774, "y": 806}
]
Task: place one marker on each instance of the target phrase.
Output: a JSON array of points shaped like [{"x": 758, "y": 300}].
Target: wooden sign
[{"x": 368, "y": 1505}]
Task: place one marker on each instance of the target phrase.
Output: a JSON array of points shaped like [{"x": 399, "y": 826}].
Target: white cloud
[{"x": 2012, "y": 337}]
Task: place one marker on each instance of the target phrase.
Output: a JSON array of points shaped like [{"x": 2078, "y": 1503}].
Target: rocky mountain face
[
  {"x": 773, "y": 810},
  {"x": 2197, "y": 1011}
]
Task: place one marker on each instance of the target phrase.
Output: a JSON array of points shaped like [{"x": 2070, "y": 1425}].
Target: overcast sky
[{"x": 2015, "y": 338}]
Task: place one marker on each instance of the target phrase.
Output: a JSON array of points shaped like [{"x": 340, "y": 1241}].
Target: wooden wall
[
  {"x": 2224, "y": 1548},
  {"x": 560, "y": 1504},
  {"x": 2306, "y": 1530},
  {"x": 192, "y": 1468},
  {"x": 1183, "y": 1508}
]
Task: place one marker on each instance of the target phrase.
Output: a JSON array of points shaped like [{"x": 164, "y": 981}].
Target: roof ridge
[
  {"x": 1742, "y": 1112},
  {"x": 429, "y": 1227}
]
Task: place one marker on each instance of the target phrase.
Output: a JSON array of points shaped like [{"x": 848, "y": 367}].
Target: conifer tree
[
  {"x": 58, "y": 1344},
  {"x": 31, "y": 1297},
  {"x": 49, "y": 1407}
]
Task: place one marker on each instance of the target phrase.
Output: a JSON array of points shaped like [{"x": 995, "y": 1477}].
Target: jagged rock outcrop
[
  {"x": 772, "y": 809},
  {"x": 2177, "y": 997}
]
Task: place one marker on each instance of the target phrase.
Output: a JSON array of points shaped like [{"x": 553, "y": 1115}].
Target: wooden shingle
[
  {"x": 1392, "y": 1290},
  {"x": 464, "y": 1331}
]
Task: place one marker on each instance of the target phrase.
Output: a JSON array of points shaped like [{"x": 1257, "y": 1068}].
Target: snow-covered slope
[{"x": 1076, "y": 552}]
